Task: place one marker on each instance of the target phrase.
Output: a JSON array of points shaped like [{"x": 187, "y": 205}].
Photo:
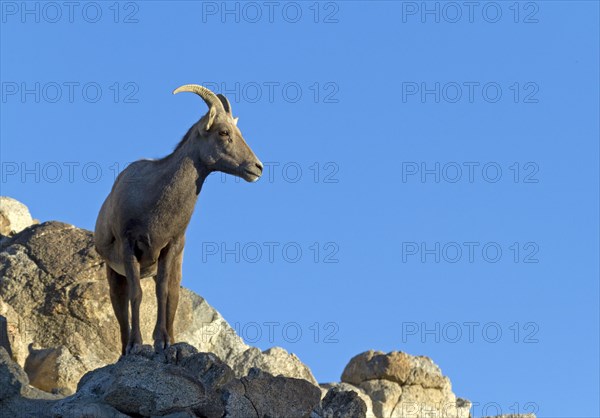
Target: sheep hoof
[
  {"x": 134, "y": 347},
  {"x": 161, "y": 344}
]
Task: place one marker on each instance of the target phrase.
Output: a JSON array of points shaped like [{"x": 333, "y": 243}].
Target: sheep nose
[{"x": 259, "y": 166}]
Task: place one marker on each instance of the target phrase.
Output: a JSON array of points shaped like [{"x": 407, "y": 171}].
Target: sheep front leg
[
  {"x": 132, "y": 272},
  {"x": 119, "y": 298},
  {"x": 167, "y": 260}
]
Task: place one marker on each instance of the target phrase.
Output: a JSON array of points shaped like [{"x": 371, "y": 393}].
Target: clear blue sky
[{"x": 431, "y": 182}]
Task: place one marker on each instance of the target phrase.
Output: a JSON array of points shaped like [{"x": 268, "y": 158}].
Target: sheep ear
[
  {"x": 235, "y": 121},
  {"x": 212, "y": 113},
  {"x": 225, "y": 102}
]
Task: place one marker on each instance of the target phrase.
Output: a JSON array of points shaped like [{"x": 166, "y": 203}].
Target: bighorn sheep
[{"x": 140, "y": 230}]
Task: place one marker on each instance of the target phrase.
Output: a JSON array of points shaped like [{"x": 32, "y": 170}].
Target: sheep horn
[{"x": 208, "y": 96}]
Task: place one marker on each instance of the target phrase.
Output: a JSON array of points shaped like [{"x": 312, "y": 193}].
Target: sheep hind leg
[
  {"x": 120, "y": 302},
  {"x": 132, "y": 271}
]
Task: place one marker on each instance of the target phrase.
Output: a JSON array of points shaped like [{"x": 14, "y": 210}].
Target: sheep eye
[{"x": 224, "y": 133}]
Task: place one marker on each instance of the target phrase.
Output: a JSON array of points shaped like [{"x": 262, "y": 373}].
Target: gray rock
[
  {"x": 141, "y": 385},
  {"x": 236, "y": 404},
  {"x": 149, "y": 385},
  {"x": 340, "y": 403},
  {"x": 4, "y": 341},
  {"x": 14, "y": 216},
  {"x": 270, "y": 396},
  {"x": 347, "y": 387},
  {"x": 27, "y": 408},
  {"x": 12, "y": 378},
  {"x": 276, "y": 361},
  {"x": 209, "y": 369}
]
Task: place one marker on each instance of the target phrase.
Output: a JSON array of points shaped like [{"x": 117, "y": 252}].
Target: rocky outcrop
[
  {"x": 399, "y": 385},
  {"x": 60, "y": 323},
  {"x": 59, "y": 351},
  {"x": 181, "y": 382}
]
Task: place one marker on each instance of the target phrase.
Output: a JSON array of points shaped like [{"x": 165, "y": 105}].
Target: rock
[
  {"x": 141, "y": 385},
  {"x": 384, "y": 394},
  {"x": 236, "y": 404},
  {"x": 17, "y": 398},
  {"x": 340, "y": 403},
  {"x": 276, "y": 361},
  {"x": 206, "y": 367},
  {"x": 4, "y": 342},
  {"x": 396, "y": 367},
  {"x": 12, "y": 378},
  {"x": 28, "y": 408},
  {"x": 417, "y": 402},
  {"x": 276, "y": 396},
  {"x": 60, "y": 322},
  {"x": 52, "y": 369},
  {"x": 347, "y": 387},
  {"x": 14, "y": 216},
  {"x": 401, "y": 385},
  {"x": 149, "y": 384},
  {"x": 209, "y": 369}
]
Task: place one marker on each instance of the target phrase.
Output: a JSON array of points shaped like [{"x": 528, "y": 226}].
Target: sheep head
[{"x": 220, "y": 144}]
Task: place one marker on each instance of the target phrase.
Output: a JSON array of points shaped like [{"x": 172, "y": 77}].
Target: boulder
[
  {"x": 339, "y": 403},
  {"x": 146, "y": 384},
  {"x": 270, "y": 396},
  {"x": 276, "y": 361},
  {"x": 406, "y": 386},
  {"x": 396, "y": 367},
  {"x": 347, "y": 387},
  {"x": 14, "y": 216}
]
